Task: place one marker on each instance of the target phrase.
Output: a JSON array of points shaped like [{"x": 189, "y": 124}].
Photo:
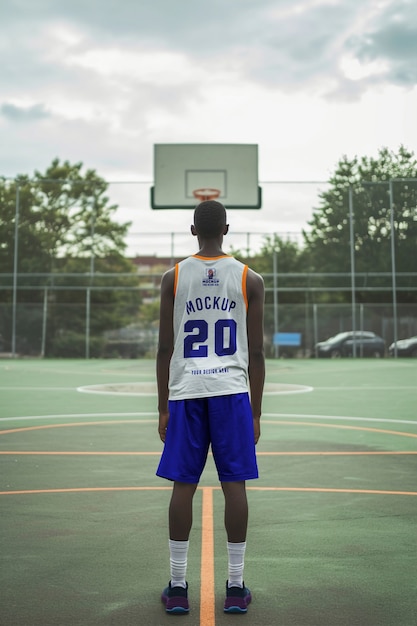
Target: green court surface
[{"x": 332, "y": 534}]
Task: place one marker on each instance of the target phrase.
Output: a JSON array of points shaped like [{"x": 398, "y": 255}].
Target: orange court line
[
  {"x": 70, "y": 425},
  {"x": 259, "y": 453},
  {"x": 276, "y": 422},
  {"x": 338, "y": 453},
  {"x": 76, "y": 453},
  {"x": 207, "y": 603},
  {"x": 81, "y": 490},
  {"x": 341, "y": 426},
  {"x": 168, "y": 488},
  {"x": 332, "y": 490}
]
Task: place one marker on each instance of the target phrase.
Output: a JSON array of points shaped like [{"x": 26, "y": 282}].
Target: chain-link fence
[
  {"x": 79, "y": 320},
  {"x": 60, "y": 295}
]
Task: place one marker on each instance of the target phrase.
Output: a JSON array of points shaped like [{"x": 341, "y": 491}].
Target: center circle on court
[{"x": 150, "y": 389}]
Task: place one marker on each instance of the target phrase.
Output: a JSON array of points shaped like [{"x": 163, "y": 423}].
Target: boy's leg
[
  {"x": 175, "y": 596},
  {"x": 180, "y": 523},
  {"x": 235, "y": 510},
  {"x": 181, "y": 511},
  {"x": 236, "y": 522},
  {"x": 182, "y": 461}
]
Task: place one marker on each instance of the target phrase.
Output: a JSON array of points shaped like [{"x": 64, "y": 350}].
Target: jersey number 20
[{"x": 224, "y": 338}]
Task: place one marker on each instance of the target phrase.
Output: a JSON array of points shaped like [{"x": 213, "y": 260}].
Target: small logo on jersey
[{"x": 210, "y": 280}]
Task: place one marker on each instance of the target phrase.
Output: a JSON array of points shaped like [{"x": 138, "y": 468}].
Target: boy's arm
[
  {"x": 255, "y": 329},
  {"x": 165, "y": 348}
]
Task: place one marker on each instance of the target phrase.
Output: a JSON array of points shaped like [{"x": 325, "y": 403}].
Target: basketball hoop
[{"x": 206, "y": 193}]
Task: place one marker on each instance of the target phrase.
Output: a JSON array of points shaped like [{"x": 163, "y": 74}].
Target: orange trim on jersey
[
  {"x": 177, "y": 269},
  {"x": 244, "y": 281},
  {"x": 212, "y": 258}
]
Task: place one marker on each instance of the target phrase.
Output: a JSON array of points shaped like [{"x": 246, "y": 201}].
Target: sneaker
[
  {"x": 175, "y": 599},
  {"x": 237, "y": 599}
]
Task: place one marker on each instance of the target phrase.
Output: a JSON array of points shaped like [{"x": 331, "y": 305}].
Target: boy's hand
[
  {"x": 256, "y": 429},
  {"x": 163, "y": 423}
]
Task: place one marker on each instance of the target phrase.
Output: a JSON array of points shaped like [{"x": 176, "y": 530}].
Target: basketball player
[{"x": 210, "y": 375}]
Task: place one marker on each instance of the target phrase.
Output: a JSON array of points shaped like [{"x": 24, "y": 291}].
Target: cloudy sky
[{"x": 308, "y": 81}]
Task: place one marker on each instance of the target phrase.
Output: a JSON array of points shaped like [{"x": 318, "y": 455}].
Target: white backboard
[{"x": 180, "y": 169}]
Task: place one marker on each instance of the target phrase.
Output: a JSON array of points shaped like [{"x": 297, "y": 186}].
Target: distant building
[{"x": 154, "y": 264}]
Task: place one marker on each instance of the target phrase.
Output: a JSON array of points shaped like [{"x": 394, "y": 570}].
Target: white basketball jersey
[{"x": 210, "y": 355}]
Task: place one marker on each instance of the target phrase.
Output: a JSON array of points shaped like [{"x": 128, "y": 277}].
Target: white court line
[
  {"x": 265, "y": 415},
  {"x": 74, "y": 416},
  {"x": 38, "y": 388},
  {"x": 93, "y": 389},
  {"x": 362, "y": 388},
  {"x": 297, "y": 389},
  {"x": 103, "y": 389}
]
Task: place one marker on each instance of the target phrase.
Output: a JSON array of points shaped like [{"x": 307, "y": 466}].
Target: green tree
[
  {"x": 376, "y": 184},
  {"x": 66, "y": 226},
  {"x": 114, "y": 296},
  {"x": 289, "y": 261},
  {"x": 289, "y": 256},
  {"x": 17, "y": 198},
  {"x": 62, "y": 213}
]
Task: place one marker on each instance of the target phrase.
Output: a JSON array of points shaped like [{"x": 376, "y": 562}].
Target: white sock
[
  {"x": 236, "y": 552},
  {"x": 178, "y": 551}
]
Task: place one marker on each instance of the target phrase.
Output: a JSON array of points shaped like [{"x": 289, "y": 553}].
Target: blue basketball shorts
[{"x": 225, "y": 423}]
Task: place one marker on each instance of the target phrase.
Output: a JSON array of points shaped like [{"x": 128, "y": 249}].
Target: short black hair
[{"x": 209, "y": 219}]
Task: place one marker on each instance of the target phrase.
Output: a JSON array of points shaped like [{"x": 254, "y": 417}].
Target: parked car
[
  {"x": 367, "y": 344},
  {"x": 405, "y": 347}
]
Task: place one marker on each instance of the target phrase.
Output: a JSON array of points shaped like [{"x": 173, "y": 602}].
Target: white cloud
[
  {"x": 353, "y": 69},
  {"x": 308, "y": 81},
  {"x": 154, "y": 67}
]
